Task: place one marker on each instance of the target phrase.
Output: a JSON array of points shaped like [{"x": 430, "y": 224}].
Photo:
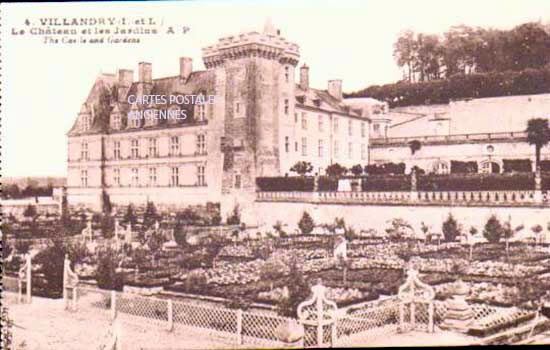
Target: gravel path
[{"x": 44, "y": 324}]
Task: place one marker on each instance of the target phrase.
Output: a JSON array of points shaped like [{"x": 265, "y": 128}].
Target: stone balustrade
[{"x": 461, "y": 198}]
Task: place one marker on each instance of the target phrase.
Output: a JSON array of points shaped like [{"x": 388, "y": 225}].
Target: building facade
[
  {"x": 261, "y": 122},
  {"x": 485, "y": 131}
]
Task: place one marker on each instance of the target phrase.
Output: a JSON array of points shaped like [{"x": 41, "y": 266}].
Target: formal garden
[{"x": 275, "y": 269}]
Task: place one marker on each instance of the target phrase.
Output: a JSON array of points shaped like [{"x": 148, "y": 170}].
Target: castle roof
[
  {"x": 197, "y": 82},
  {"x": 322, "y": 100}
]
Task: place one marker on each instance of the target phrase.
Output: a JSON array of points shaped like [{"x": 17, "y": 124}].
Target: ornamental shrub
[
  {"x": 306, "y": 224},
  {"x": 451, "y": 229},
  {"x": 517, "y": 165},
  {"x": 493, "y": 230}
]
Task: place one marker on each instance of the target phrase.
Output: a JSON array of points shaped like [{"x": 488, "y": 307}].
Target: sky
[{"x": 44, "y": 85}]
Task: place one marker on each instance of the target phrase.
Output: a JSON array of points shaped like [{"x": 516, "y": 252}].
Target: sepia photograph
[{"x": 276, "y": 174}]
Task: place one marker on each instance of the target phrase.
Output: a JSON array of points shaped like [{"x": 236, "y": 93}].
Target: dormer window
[
  {"x": 85, "y": 122},
  {"x": 116, "y": 121},
  {"x": 317, "y": 102}
]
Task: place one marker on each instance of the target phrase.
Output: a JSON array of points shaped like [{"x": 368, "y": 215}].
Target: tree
[
  {"x": 235, "y": 217},
  {"x": 538, "y": 134},
  {"x": 107, "y": 207},
  {"x": 306, "y": 224},
  {"x": 404, "y": 50},
  {"x": 357, "y": 169},
  {"x": 493, "y": 230},
  {"x": 22, "y": 247},
  {"x": 50, "y": 262},
  {"x": 150, "y": 215},
  {"x": 335, "y": 170},
  {"x": 107, "y": 277},
  {"x": 302, "y": 168},
  {"x": 298, "y": 290},
  {"x": 415, "y": 146},
  {"x": 451, "y": 229},
  {"x": 130, "y": 216},
  {"x": 271, "y": 271},
  {"x": 30, "y": 212},
  {"x": 155, "y": 243},
  {"x": 344, "y": 265}
]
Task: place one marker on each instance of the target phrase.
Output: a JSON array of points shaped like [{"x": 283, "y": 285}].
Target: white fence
[{"x": 215, "y": 322}]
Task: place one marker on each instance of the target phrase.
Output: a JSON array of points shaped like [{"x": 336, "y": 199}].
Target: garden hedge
[
  {"x": 285, "y": 183},
  {"x": 386, "y": 183},
  {"x": 477, "y": 182}
]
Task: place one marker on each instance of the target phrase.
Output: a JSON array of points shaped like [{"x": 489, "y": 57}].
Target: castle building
[
  {"x": 261, "y": 122},
  {"x": 487, "y": 132}
]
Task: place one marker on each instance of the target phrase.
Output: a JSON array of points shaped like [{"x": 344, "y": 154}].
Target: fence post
[
  {"x": 113, "y": 304},
  {"x": 65, "y": 294},
  {"x": 431, "y": 317},
  {"x": 75, "y": 292},
  {"x": 239, "y": 327},
  {"x": 170, "y": 315},
  {"x": 118, "y": 335},
  {"x": 29, "y": 271},
  {"x": 334, "y": 333},
  {"x": 413, "y": 314},
  {"x": 402, "y": 316}
]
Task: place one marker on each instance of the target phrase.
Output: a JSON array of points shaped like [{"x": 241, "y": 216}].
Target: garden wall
[{"x": 366, "y": 216}]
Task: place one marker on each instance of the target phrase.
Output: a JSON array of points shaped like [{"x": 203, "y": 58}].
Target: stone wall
[{"x": 379, "y": 216}]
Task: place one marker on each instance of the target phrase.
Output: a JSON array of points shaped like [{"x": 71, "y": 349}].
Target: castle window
[
  {"x": 362, "y": 129},
  {"x": 336, "y": 149},
  {"x": 201, "y": 144},
  {"x": 153, "y": 176},
  {"x": 84, "y": 151},
  {"x": 295, "y": 146},
  {"x": 350, "y": 150},
  {"x": 135, "y": 177},
  {"x": 320, "y": 148},
  {"x": 200, "y": 176},
  {"x": 239, "y": 110},
  {"x": 237, "y": 180},
  {"x": 200, "y": 110},
  {"x": 84, "y": 178},
  {"x": 135, "y": 121},
  {"x": 116, "y": 177},
  {"x": 296, "y": 117},
  {"x": 135, "y": 148},
  {"x": 320, "y": 123},
  {"x": 116, "y": 149},
  {"x": 350, "y": 127},
  {"x": 86, "y": 121},
  {"x": 174, "y": 145},
  {"x": 376, "y": 127},
  {"x": 304, "y": 146},
  {"x": 286, "y": 144},
  {"x": 116, "y": 121},
  {"x": 335, "y": 124},
  {"x": 152, "y": 147},
  {"x": 175, "y": 178},
  {"x": 287, "y": 74},
  {"x": 363, "y": 151},
  {"x": 287, "y": 107},
  {"x": 304, "y": 121}
]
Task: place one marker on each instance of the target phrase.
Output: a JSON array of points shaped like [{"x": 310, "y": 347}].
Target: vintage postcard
[{"x": 275, "y": 174}]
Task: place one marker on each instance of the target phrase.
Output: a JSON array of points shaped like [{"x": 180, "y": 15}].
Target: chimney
[
  {"x": 186, "y": 67},
  {"x": 145, "y": 72},
  {"x": 125, "y": 77},
  {"x": 304, "y": 77},
  {"x": 335, "y": 89}
]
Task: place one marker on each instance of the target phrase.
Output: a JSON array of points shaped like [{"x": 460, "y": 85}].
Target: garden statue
[
  {"x": 340, "y": 248},
  {"x": 459, "y": 316},
  {"x": 413, "y": 180},
  {"x": 157, "y": 225}
]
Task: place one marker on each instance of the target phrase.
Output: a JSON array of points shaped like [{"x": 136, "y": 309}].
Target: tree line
[
  {"x": 467, "y": 62},
  {"x": 467, "y": 50}
]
